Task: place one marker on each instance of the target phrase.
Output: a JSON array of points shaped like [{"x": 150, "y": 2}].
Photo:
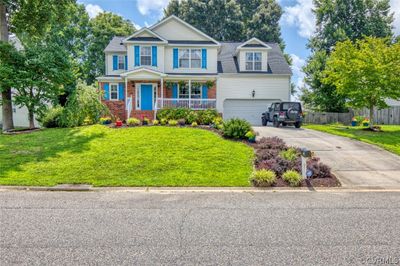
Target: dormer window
[
  {"x": 145, "y": 56},
  {"x": 253, "y": 61}
]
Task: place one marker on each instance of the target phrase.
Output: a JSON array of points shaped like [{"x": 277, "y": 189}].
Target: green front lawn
[
  {"x": 144, "y": 156},
  {"x": 389, "y": 139}
]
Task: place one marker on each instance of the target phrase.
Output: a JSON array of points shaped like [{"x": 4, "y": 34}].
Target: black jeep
[{"x": 283, "y": 113}]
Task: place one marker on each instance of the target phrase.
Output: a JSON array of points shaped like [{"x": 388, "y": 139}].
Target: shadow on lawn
[{"x": 17, "y": 150}]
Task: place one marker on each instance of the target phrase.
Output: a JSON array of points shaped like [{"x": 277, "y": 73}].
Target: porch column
[
  {"x": 126, "y": 98},
  {"x": 162, "y": 93},
  {"x": 190, "y": 93}
]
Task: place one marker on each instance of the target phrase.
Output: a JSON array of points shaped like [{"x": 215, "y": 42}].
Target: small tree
[
  {"x": 366, "y": 72},
  {"x": 41, "y": 77}
]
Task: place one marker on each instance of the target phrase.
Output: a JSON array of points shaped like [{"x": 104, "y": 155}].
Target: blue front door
[{"x": 146, "y": 94}]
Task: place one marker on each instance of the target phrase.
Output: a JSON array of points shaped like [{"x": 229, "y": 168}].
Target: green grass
[
  {"x": 389, "y": 139},
  {"x": 145, "y": 156}
]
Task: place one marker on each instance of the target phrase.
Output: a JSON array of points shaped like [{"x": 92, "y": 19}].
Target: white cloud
[
  {"x": 145, "y": 7},
  {"x": 137, "y": 26},
  {"x": 93, "y": 10},
  {"x": 297, "y": 68},
  {"x": 395, "y": 4},
  {"x": 301, "y": 16}
]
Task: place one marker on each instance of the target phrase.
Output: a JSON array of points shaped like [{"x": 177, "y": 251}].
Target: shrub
[
  {"x": 218, "y": 121},
  {"x": 292, "y": 177},
  {"x": 265, "y": 155},
  {"x": 105, "y": 120},
  {"x": 192, "y": 117},
  {"x": 146, "y": 121},
  {"x": 263, "y": 178},
  {"x": 83, "y": 104},
  {"x": 173, "y": 123},
  {"x": 290, "y": 154},
  {"x": 156, "y": 122},
  {"x": 133, "y": 122},
  {"x": 173, "y": 113},
  {"x": 194, "y": 124},
  {"x": 236, "y": 128},
  {"x": 163, "y": 122},
  {"x": 206, "y": 117},
  {"x": 181, "y": 122},
  {"x": 320, "y": 170},
  {"x": 278, "y": 165},
  {"x": 273, "y": 143},
  {"x": 52, "y": 117}
]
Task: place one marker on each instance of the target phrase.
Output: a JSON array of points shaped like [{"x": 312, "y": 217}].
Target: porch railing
[{"x": 195, "y": 104}]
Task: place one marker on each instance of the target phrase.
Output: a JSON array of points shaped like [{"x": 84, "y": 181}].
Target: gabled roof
[
  {"x": 254, "y": 43},
  {"x": 173, "y": 17},
  {"x": 136, "y": 37},
  {"x": 143, "y": 69},
  {"x": 116, "y": 45},
  {"x": 228, "y": 63}
]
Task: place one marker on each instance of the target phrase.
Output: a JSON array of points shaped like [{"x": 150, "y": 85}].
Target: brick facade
[{"x": 117, "y": 108}]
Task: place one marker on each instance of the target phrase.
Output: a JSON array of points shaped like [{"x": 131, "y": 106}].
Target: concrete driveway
[{"x": 355, "y": 163}]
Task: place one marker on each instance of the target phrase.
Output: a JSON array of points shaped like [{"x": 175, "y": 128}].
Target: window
[
  {"x": 190, "y": 58},
  {"x": 113, "y": 91},
  {"x": 145, "y": 56},
  {"x": 253, "y": 61},
  {"x": 196, "y": 91},
  {"x": 121, "y": 62},
  {"x": 183, "y": 91}
]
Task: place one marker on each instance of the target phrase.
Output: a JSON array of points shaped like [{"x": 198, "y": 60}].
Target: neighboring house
[
  {"x": 171, "y": 63},
  {"x": 20, "y": 114}
]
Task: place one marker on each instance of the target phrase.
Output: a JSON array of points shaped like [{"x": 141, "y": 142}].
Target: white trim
[
  {"x": 251, "y": 40},
  {"x": 110, "y": 79},
  {"x": 138, "y": 96},
  {"x": 148, "y": 30},
  {"x": 140, "y": 55},
  {"x": 249, "y": 74},
  {"x": 253, "y": 61},
  {"x": 190, "y": 44},
  {"x": 143, "y": 69},
  {"x": 110, "y": 87},
  {"x": 184, "y": 23},
  {"x": 190, "y": 58}
]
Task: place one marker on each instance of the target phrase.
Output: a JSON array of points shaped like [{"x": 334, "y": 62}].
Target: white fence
[{"x": 195, "y": 104}]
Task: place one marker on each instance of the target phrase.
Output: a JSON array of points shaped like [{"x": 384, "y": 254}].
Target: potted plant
[
  {"x": 105, "y": 120},
  {"x": 365, "y": 122},
  {"x": 354, "y": 122},
  {"x": 118, "y": 123},
  {"x": 251, "y": 136}
]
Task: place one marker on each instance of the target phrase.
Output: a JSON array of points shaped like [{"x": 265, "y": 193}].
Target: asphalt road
[{"x": 125, "y": 228}]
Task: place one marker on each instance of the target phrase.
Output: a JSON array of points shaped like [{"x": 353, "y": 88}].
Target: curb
[{"x": 89, "y": 188}]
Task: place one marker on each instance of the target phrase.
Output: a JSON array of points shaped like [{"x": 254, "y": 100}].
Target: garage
[{"x": 248, "y": 109}]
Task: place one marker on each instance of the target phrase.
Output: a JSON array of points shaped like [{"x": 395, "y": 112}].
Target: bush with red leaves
[
  {"x": 273, "y": 143},
  {"x": 320, "y": 170}
]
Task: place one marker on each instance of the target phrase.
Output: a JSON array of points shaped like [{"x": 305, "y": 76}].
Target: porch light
[{"x": 253, "y": 93}]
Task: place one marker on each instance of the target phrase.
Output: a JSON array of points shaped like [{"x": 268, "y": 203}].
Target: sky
[{"x": 297, "y": 23}]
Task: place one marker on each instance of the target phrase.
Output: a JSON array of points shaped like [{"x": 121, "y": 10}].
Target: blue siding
[
  {"x": 175, "y": 59},
  {"x": 204, "y": 92},
  {"x": 137, "y": 55},
  {"x": 204, "y": 58},
  {"x": 121, "y": 91},
  {"x": 115, "y": 62},
  {"x": 154, "y": 56},
  {"x": 106, "y": 91}
]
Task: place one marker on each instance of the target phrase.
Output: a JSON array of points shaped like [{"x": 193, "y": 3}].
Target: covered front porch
[{"x": 148, "y": 91}]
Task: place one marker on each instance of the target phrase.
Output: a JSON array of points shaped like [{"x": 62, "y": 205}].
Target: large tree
[
  {"x": 339, "y": 20},
  {"x": 102, "y": 29},
  {"x": 40, "y": 72},
  {"x": 29, "y": 20},
  {"x": 231, "y": 20},
  {"x": 366, "y": 72}
]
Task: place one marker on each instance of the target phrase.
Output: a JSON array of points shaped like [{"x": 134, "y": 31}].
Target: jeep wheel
[
  {"x": 264, "y": 122},
  {"x": 276, "y": 122},
  {"x": 297, "y": 125}
]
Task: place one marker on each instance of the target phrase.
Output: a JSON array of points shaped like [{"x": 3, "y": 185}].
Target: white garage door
[{"x": 250, "y": 110}]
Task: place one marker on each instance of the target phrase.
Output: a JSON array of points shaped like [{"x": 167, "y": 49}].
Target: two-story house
[{"x": 173, "y": 64}]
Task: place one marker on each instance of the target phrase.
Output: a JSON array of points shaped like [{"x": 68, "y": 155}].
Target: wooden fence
[{"x": 390, "y": 116}]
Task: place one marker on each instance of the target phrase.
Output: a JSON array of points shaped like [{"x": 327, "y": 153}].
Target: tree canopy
[
  {"x": 340, "y": 20},
  {"x": 366, "y": 72},
  {"x": 231, "y": 20}
]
